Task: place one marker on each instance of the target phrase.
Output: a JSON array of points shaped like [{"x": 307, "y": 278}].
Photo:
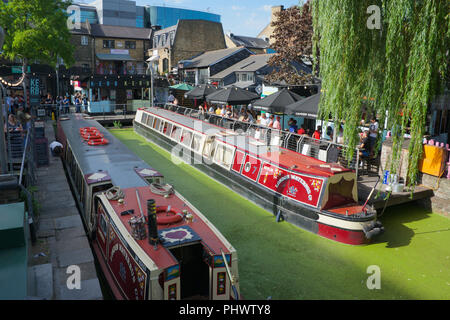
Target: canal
[{"x": 281, "y": 261}]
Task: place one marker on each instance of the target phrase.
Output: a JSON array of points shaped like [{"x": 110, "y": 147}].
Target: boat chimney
[{"x": 152, "y": 225}]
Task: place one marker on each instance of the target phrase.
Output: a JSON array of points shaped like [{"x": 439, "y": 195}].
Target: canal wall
[{"x": 440, "y": 203}]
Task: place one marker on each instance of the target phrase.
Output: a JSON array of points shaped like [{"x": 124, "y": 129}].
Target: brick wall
[{"x": 83, "y": 54}]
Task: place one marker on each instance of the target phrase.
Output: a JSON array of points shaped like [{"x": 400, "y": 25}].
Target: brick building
[{"x": 186, "y": 39}]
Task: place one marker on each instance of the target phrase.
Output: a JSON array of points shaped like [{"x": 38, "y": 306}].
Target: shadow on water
[{"x": 395, "y": 220}]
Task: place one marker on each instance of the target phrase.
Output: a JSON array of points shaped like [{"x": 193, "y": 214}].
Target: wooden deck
[{"x": 365, "y": 185}]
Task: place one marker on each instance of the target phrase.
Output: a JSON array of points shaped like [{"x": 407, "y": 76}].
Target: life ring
[
  {"x": 164, "y": 218},
  {"x": 98, "y": 142},
  {"x": 88, "y": 129},
  {"x": 93, "y": 136}
]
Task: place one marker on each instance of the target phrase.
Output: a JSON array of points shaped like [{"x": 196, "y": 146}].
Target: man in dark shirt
[{"x": 365, "y": 145}]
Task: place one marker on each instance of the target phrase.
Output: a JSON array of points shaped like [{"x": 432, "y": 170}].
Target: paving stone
[
  {"x": 42, "y": 275},
  {"x": 68, "y": 222},
  {"x": 75, "y": 257},
  {"x": 90, "y": 290},
  {"x": 46, "y": 228},
  {"x": 54, "y": 212},
  {"x": 70, "y": 233},
  {"x": 71, "y": 244}
]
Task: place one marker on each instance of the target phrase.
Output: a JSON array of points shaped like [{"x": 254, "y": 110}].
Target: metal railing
[{"x": 323, "y": 150}]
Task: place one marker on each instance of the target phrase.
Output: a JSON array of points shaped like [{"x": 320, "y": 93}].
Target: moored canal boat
[
  {"x": 150, "y": 242},
  {"x": 314, "y": 195}
]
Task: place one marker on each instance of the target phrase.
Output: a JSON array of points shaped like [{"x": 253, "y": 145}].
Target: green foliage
[
  {"x": 293, "y": 31},
  {"x": 117, "y": 124},
  {"x": 395, "y": 71},
  {"x": 36, "y": 30}
]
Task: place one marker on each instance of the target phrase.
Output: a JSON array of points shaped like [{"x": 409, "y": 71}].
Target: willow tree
[{"x": 393, "y": 69}]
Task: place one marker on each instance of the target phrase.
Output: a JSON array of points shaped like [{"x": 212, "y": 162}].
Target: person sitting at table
[
  {"x": 264, "y": 121},
  {"x": 293, "y": 126},
  {"x": 302, "y": 130},
  {"x": 13, "y": 125},
  {"x": 364, "y": 147},
  {"x": 277, "y": 123},
  {"x": 271, "y": 121},
  {"x": 318, "y": 133}
]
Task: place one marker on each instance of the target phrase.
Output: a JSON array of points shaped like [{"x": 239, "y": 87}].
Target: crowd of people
[
  {"x": 17, "y": 119},
  {"x": 367, "y": 142},
  {"x": 62, "y": 104},
  {"x": 248, "y": 114}
]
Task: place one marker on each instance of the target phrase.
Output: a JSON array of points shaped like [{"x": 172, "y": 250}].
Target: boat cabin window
[
  {"x": 196, "y": 142},
  {"x": 186, "y": 137},
  {"x": 223, "y": 155},
  {"x": 176, "y": 133},
  {"x": 210, "y": 147},
  {"x": 149, "y": 121},
  {"x": 167, "y": 128},
  {"x": 144, "y": 118},
  {"x": 162, "y": 126},
  {"x": 103, "y": 225},
  {"x": 157, "y": 124}
]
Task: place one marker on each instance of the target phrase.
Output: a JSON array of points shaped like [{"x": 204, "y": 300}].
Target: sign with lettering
[
  {"x": 35, "y": 91},
  {"x": 299, "y": 187},
  {"x": 18, "y": 69}
]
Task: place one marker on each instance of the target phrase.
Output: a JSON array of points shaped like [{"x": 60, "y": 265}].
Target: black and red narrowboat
[
  {"x": 150, "y": 242},
  {"x": 314, "y": 195}
]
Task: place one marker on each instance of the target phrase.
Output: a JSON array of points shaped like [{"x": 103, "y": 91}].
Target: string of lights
[{"x": 13, "y": 84}]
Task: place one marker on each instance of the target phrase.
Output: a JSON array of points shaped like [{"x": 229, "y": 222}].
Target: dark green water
[{"x": 284, "y": 262}]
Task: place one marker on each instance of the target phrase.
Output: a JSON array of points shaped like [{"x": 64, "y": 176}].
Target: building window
[
  {"x": 190, "y": 77},
  {"x": 109, "y": 44},
  {"x": 84, "y": 40},
  {"x": 130, "y": 44},
  {"x": 165, "y": 65}
]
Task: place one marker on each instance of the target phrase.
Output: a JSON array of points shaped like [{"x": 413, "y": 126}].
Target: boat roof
[
  {"x": 282, "y": 157},
  {"x": 115, "y": 158},
  {"x": 199, "y": 230}
]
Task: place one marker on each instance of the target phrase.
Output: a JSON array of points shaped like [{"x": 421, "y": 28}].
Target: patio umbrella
[
  {"x": 232, "y": 96},
  {"x": 200, "y": 92},
  {"x": 277, "y": 102},
  {"x": 307, "y": 108},
  {"x": 182, "y": 86}
]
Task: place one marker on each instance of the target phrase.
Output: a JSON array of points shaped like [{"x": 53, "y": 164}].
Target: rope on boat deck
[
  {"x": 162, "y": 190},
  {"x": 115, "y": 193}
]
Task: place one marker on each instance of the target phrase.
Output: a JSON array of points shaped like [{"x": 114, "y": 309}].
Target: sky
[{"x": 241, "y": 17}]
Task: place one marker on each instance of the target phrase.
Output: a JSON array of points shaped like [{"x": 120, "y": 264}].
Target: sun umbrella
[
  {"x": 307, "y": 108},
  {"x": 182, "y": 86},
  {"x": 277, "y": 102},
  {"x": 232, "y": 96},
  {"x": 200, "y": 92}
]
